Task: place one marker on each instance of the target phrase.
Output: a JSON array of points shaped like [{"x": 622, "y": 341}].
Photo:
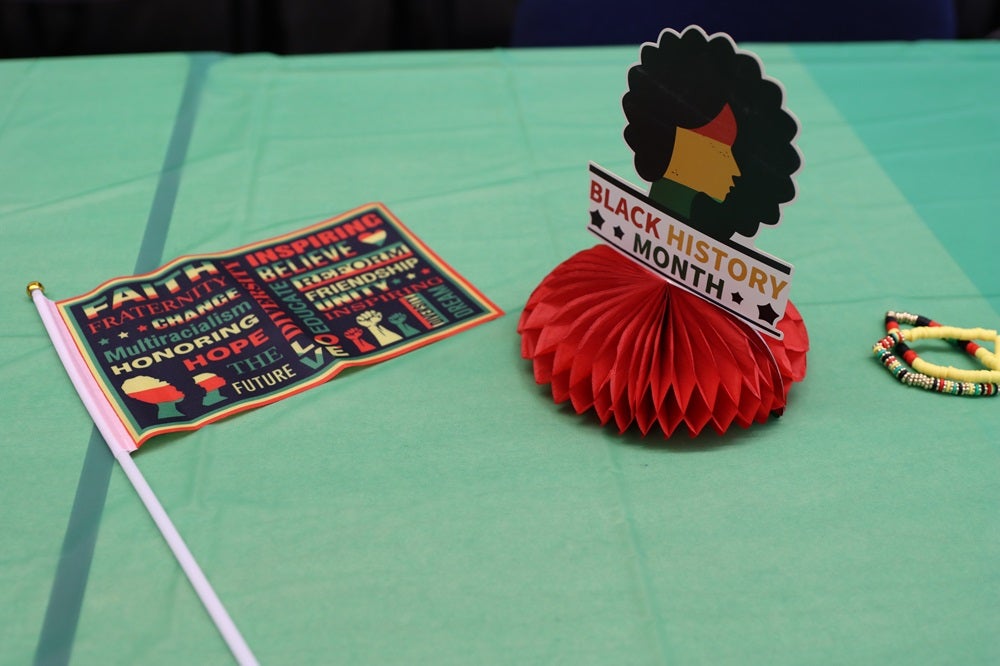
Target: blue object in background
[{"x": 595, "y": 22}]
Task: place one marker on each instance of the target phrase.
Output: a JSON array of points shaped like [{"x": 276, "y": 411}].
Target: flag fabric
[{"x": 207, "y": 336}]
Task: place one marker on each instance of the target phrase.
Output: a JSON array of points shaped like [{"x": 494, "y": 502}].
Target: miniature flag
[{"x": 207, "y": 336}]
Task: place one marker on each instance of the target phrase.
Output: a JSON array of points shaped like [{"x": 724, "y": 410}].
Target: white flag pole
[{"x": 120, "y": 443}]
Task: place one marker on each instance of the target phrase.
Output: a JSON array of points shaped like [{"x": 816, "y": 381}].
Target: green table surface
[{"x": 439, "y": 508}]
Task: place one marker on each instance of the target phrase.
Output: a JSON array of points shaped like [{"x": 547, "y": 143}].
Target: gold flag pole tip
[{"x": 33, "y": 286}]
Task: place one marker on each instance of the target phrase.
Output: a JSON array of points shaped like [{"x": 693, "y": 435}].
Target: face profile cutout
[
  {"x": 709, "y": 133},
  {"x": 702, "y": 159}
]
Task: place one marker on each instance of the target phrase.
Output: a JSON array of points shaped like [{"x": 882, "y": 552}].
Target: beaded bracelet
[
  {"x": 965, "y": 336},
  {"x": 894, "y": 341},
  {"x": 961, "y": 337}
]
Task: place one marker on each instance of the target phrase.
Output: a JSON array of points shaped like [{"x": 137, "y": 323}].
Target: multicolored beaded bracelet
[
  {"x": 925, "y": 329},
  {"x": 894, "y": 341},
  {"x": 965, "y": 337}
]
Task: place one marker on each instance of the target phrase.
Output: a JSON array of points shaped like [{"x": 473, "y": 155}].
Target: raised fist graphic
[
  {"x": 355, "y": 336},
  {"x": 371, "y": 319},
  {"x": 398, "y": 319}
]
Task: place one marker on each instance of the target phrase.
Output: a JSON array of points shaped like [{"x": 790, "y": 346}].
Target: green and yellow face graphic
[{"x": 702, "y": 159}]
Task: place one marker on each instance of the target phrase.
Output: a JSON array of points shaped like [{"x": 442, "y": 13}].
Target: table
[{"x": 439, "y": 508}]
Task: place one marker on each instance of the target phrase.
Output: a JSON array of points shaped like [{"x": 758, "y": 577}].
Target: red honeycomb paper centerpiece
[{"x": 611, "y": 336}]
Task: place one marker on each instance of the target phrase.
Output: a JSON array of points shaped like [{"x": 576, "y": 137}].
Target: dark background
[{"x": 31, "y": 28}]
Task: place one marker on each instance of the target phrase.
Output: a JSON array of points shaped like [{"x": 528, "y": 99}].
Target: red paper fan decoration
[{"x": 610, "y": 336}]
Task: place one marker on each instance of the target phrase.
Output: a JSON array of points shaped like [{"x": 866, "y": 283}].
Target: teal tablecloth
[{"x": 438, "y": 508}]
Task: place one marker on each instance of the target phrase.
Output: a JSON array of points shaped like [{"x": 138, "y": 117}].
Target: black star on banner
[
  {"x": 619, "y": 234},
  {"x": 766, "y": 313},
  {"x": 596, "y": 219},
  {"x": 737, "y": 297}
]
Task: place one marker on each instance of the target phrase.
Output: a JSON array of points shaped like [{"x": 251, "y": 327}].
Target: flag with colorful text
[{"x": 207, "y": 336}]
